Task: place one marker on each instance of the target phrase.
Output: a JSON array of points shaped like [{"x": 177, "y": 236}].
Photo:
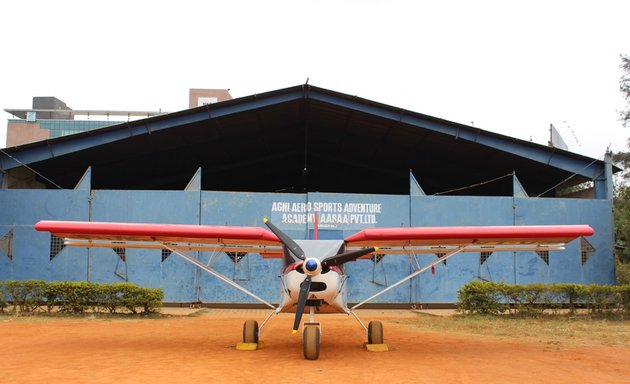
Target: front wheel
[{"x": 310, "y": 342}]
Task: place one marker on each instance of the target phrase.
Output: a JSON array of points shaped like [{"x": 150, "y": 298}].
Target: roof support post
[
  {"x": 604, "y": 182},
  {"x": 609, "y": 175}
]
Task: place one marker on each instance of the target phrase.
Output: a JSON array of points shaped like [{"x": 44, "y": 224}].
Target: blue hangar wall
[{"x": 25, "y": 253}]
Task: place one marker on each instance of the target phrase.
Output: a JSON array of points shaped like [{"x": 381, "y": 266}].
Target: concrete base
[{"x": 376, "y": 347}]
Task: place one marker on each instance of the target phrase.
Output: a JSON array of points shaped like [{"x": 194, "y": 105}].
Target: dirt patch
[{"x": 201, "y": 348}]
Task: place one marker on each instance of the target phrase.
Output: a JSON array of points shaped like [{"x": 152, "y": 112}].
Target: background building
[
  {"x": 50, "y": 117},
  {"x": 284, "y": 154},
  {"x": 199, "y": 97}
]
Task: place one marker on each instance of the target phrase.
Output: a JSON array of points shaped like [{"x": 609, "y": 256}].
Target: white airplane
[{"x": 313, "y": 276}]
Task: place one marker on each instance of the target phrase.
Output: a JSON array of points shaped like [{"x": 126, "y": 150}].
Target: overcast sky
[{"x": 504, "y": 66}]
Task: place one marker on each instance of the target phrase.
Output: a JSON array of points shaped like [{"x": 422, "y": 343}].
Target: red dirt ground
[{"x": 183, "y": 349}]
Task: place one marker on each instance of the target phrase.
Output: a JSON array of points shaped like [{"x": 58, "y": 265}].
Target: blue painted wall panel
[
  {"x": 341, "y": 215},
  {"x": 463, "y": 268},
  {"x": 20, "y": 210},
  {"x": 255, "y": 273},
  {"x": 363, "y": 282},
  {"x": 31, "y": 258},
  {"x": 178, "y": 280},
  {"x": 145, "y": 266},
  {"x": 104, "y": 266},
  {"x": 71, "y": 264},
  {"x": 566, "y": 266}
]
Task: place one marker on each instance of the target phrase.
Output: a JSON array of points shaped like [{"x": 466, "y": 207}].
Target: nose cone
[{"x": 310, "y": 265}]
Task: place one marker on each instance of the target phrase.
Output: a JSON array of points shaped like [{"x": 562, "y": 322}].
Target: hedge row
[
  {"x": 490, "y": 298},
  {"x": 78, "y": 297}
]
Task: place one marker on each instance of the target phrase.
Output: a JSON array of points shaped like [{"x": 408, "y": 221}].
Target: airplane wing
[
  {"x": 180, "y": 236},
  {"x": 446, "y": 242},
  {"x": 177, "y": 238},
  {"x": 468, "y": 239},
  {"x": 442, "y": 241}
]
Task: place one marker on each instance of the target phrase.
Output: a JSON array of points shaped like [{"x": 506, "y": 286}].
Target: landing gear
[
  {"x": 311, "y": 337},
  {"x": 250, "y": 331},
  {"x": 310, "y": 341},
  {"x": 375, "y": 332}
]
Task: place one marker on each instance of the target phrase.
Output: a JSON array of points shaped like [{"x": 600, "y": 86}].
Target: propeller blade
[
  {"x": 347, "y": 256},
  {"x": 286, "y": 240},
  {"x": 305, "y": 287}
]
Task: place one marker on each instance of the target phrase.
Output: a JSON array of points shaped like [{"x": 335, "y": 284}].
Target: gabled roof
[{"x": 301, "y": 138}]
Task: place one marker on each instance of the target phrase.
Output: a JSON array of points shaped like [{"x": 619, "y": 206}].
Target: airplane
[{"x": 313, "y": 275}]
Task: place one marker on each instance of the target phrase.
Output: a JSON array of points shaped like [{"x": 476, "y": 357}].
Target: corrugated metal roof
[{"x": 297, "y": 139}]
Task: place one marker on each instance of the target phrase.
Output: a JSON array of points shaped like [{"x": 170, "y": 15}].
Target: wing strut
[
  {"x": 214, "y": 273},
  {"x": 411, "y": 276}
]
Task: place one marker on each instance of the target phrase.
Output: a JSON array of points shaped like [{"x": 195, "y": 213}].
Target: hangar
[{"x": 285, "y": 154}]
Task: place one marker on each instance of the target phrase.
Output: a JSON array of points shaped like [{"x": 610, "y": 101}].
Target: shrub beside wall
[
  {"x": 78, "y": 297},
  {"x": 491, "y": 298}
]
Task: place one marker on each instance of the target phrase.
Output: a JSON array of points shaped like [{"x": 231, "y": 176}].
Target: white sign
[
  {"x": 206, "y": 100},
  {"x": 330, "y": 214}
]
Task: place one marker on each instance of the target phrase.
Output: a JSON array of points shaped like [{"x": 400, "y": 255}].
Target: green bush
[
  {"x": 26, "y": 295},
  {"x": 134, "y": 298},
  {"x": 602, "y": 298},
  {"x": 150, "y": 299},
  {"x": 72, "y": 297},
  {"x": 622, "y": 272},
  {"x": 110, "y": 297},
  {"x": 79, "y": 297},
  {"x": 481, "y": 297},
  {"x": 529, "y": 299},
  {"x": 3, "y": 300},
  {"x": 624, "y": 297},
  {"x": 488, "y": 298},
  {"x": 572, "y": 295}
]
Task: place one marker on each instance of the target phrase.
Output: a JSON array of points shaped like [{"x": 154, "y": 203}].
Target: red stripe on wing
[
  {"x": 158, "y": 232},
  {"x": 474, "y": 234}
]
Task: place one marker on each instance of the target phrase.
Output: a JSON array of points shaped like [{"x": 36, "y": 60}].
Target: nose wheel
[{"x": 311, "y": 341}]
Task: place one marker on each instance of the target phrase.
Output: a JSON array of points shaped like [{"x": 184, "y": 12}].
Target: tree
[
  {"x": 621, "y": 205},
  {"x": 623, "y": 158},
  {"x": 624, "y": 87},
  {"x": 621, "y": 201}
]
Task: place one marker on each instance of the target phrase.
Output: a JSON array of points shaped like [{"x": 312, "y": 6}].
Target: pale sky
[{"x": 505, "y": 66}]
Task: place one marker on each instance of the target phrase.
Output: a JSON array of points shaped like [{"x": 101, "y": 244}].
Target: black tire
[
  {"x": 310, "y": 342},
  {"x": 375, "y": 332},
  {"x": 250, "y": 331}
]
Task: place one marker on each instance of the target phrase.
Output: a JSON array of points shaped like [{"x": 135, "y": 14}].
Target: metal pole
[
  {"x": 216, "y": 274},
  {"x": 411, "y": 276}
]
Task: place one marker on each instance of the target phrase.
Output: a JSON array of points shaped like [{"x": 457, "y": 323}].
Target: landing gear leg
[
  {"x": 251, "y": 334},
  {"x": 374, "y": 330}
]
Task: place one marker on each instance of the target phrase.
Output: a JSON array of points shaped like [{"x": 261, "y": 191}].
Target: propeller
[
  {"x": 305, "y": 287},
  {"x": 291, "y": 245},
  {"x": 311, "y": 266},
  {"x": 341, "y": 258}
]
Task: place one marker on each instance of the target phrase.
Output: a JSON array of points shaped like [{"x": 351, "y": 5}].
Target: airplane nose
[{"x": 310, "y": 265}]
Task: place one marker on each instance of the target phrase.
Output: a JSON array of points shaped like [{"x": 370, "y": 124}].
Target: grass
[{"x": 569, "y": 330}]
